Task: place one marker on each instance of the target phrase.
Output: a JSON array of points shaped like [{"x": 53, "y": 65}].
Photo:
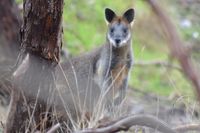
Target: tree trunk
[
  {"x": 31, "y": 108},
  {"x": 41, "y": 31}
]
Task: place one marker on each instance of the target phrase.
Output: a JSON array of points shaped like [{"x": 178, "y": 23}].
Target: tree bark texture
[
  {"x": 41, "y": 32},
  {"x": 34, "y": 85}
]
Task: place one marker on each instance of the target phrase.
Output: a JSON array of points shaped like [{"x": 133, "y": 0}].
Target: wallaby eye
[
  {"x": 111, "y": 30},
  {"x": 125, "y": 31}
]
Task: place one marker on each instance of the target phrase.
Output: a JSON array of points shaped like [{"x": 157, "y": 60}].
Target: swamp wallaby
[{"x": 98, "y": 79}]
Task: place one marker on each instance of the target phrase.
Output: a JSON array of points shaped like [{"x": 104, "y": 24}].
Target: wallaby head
[{"x": 119, "y": 27}]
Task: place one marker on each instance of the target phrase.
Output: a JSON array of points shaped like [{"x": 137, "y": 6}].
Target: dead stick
[
  {"x": 188, "y": 127},
  {"x": 54, "y": 128},
  {"x": 127, "y": 122}
]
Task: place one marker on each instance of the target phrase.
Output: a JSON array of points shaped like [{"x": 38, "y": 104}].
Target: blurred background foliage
[{"x": 85, "y": 29}]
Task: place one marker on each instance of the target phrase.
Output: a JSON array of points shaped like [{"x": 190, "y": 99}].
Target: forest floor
[{"x": 172, "y": 112}]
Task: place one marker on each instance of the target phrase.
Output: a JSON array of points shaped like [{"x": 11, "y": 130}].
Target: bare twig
[
  {"x": 127, "y": 122},
  {"x": 177, "y": 46},
  {"x": 189, "y": 127},
  {"x": 158, "y": 63},
  {"x": 54, "y": 128}
]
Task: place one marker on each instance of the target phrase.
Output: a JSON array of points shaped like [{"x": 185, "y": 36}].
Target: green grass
[{"x": 159, "y": 81}]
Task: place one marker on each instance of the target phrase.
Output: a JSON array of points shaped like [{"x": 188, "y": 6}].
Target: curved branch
[{"x": 127, "y": 122}]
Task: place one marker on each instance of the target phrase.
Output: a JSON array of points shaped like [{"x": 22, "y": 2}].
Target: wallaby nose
[{"x": 117, "y": 41}]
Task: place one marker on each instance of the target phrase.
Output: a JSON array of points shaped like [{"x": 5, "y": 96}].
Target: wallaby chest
[{"x": 120, "y": 67}]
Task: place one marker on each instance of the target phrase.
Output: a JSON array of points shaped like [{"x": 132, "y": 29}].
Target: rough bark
[
  {"x": 34, "y": 77},
  {"x": 41, "y": 31}
]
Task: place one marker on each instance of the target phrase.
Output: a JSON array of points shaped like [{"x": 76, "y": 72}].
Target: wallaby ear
[
  {"x": 129, "y": 15},
  {"x": 109, "y": 15}
]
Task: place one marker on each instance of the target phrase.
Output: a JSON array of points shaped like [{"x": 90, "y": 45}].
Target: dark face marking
[{"x": 119, "y": 21}]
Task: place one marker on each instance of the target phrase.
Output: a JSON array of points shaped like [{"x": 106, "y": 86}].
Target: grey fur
[{"x": 86, "y": 81}]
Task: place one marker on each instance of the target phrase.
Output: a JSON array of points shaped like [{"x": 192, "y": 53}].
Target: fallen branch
[
  {"x": 126, "y": 123},
  {"x": 189, "y": 127}
]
